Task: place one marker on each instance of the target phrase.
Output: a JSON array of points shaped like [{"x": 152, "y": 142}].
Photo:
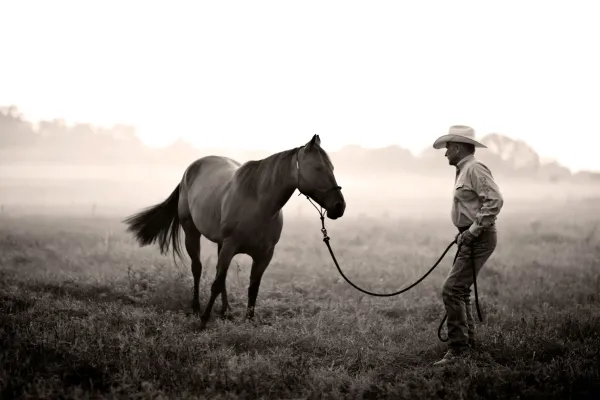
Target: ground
[{"x": 85, "y": 312}]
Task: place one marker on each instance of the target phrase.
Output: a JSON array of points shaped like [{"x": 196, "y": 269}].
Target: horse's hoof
[
  {"x": 196, "y": 309},
  {"x": 226, "y": 317}
]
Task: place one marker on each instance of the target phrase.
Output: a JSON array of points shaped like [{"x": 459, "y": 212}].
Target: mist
[
  {"x": 82, "y": 169},
  {"x": 115, "y": 190}
]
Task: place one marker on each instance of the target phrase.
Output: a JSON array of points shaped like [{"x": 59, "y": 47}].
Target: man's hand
[{"x": 465, "y": 238}]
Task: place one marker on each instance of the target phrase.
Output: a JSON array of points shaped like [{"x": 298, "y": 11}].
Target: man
[{"x": 477, "y": 203}]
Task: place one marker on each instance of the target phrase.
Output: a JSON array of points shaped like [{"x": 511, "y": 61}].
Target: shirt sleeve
[{"x": 491, "y": 199}]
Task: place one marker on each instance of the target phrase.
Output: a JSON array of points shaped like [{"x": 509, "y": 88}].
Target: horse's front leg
[{"x": 259, "y": 265}]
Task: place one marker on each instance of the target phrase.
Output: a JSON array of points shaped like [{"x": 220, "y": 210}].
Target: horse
[{"x": 238, "y": 207}]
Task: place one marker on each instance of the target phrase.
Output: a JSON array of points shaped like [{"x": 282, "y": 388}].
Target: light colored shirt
[{"x": 477, "y": 198}]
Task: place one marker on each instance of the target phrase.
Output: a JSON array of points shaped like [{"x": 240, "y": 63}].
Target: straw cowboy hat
[{"x": 459, "y": 134}]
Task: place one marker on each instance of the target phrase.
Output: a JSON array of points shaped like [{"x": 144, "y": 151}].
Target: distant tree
[
  {"x": 54, "y": 131},
  {"x": 125, "y": 134},
  {"x": 14, "y": 130}
]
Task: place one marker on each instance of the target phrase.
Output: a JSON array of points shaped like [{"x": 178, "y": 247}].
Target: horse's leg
[
  {"x": 192, "y": 245},
  {"x": 224, "y": 301},
  {"x": 259, "y": 265},
  {"x": 225, "y": 256}
]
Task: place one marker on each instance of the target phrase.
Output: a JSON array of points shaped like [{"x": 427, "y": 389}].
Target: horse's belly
[
  {"x": 205, "y": 197},
  {"x": 206, "y": 215}
]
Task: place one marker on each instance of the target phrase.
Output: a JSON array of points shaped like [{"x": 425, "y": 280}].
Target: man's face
[{"x": 452, "y": 153}]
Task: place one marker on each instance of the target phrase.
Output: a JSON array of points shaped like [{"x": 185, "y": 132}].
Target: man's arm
[{"x": 489, "y": 193}]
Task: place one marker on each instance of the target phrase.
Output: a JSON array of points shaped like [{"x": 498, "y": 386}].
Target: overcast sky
[{"x": 368, "y": 73}]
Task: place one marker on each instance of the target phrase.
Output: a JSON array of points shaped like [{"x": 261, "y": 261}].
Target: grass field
[{"x": 85, "y": 312}]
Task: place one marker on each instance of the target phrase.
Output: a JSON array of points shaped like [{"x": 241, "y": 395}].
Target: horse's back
[
  {"x": 210, "y": 170},
  {"x": 203, "y": 185}
]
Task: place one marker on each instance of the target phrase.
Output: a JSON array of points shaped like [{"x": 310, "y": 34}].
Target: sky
[{"x": 270, "y": 74}]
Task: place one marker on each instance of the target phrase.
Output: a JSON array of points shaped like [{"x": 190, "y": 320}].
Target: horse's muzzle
[{"x": 337, "y": 211}]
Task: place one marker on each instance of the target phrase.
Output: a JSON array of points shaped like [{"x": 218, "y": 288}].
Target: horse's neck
[{"x": 275, "y": 192}]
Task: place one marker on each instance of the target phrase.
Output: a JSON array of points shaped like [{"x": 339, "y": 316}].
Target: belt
[{"x": 461, "y": 229}]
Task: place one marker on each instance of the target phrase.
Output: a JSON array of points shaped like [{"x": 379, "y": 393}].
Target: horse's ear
[{"x": 314, "y": 141}]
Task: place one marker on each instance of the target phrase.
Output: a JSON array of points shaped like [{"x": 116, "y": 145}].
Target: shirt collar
[{"x": 464, "y": 161}]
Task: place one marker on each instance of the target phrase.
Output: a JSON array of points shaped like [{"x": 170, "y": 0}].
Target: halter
[{"x": 298, "y": 174}]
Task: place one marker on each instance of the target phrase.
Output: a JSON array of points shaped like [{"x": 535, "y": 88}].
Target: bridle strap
[
  {"x": 298, "y": 174},
  {"x": 320, "y": 211}
]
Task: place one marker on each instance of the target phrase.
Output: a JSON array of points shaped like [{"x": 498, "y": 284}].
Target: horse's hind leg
[
  {"x": 225, "y": 256},
  {"x": 224, "y": 301},
  {"x": 192, "y": 245},
  {"x": 259, "y": 266}
]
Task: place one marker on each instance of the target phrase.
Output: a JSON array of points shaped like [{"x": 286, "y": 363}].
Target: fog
[
  {"x": 82, "y": 169},
  {"x": 117, "y": 190}
]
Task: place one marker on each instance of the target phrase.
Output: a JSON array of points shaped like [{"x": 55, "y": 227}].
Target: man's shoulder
[{"x": 477, "y": 166}]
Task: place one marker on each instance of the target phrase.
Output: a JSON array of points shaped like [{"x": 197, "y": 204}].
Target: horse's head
[{"x": 316, "y": 179}]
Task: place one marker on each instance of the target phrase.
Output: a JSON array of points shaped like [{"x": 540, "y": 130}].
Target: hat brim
[{"x": 440, "y": 142}]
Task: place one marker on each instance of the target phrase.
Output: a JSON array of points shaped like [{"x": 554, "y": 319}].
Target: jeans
[{"x": 456, "y": 292}]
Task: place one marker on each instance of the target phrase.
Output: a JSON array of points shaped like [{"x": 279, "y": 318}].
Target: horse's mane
[
  {"x": 272, "y": 170},
  {"x": 253, "y": 174}
]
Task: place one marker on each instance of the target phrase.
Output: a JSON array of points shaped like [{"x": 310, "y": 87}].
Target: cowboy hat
[{"x": 458, "y": 134}]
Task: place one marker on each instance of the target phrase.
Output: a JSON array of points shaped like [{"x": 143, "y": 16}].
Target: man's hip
[{"x": 491, "y": 228}]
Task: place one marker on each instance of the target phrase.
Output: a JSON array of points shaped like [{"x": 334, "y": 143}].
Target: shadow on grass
[
  {"x": 55, "y": 366},
  {"x": 160, "y": 300}
]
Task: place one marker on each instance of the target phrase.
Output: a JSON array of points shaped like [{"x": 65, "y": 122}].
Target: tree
[{"x": 14, "y": 130}]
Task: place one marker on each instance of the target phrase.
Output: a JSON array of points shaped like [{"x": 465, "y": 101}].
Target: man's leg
[
  {"x": 470, "y": 320},
  {"x": 456, "y": 290},
  {"x": 453, "y": 295}
]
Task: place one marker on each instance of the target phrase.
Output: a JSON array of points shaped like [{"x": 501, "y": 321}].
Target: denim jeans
[{"x": 456, "y": 292}]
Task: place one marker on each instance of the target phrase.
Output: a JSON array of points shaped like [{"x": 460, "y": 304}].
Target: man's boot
[
  {"x": 451, "y": 355},
  {"x": 472, "y": 342}
]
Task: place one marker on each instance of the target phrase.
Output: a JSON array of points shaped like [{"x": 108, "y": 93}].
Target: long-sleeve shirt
[{"x": 477, "y": 198}]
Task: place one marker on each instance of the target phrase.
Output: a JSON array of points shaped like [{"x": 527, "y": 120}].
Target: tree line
[{"x": 54, "y": 140}]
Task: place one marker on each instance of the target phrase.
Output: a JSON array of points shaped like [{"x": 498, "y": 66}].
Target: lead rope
[{"x": 326, "y": 239}]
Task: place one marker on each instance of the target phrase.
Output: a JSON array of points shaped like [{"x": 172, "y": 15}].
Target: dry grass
[{"x": 87, "y": 313}]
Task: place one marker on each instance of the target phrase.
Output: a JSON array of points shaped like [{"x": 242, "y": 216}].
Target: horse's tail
[{"x": 159, "y": 222}]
